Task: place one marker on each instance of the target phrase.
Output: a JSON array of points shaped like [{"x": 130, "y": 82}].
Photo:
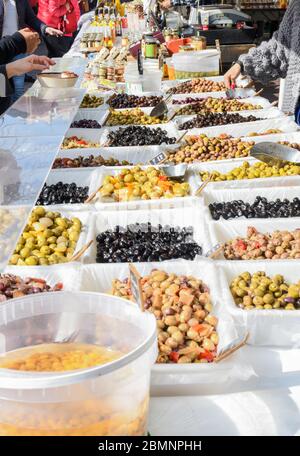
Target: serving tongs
[
  {"x": 275, "y": 154},
  {"x": 161, "y": 108}
]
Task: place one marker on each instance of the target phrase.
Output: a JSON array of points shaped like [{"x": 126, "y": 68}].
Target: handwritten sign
[
  {"x": 160, "y": 158},
  {"x": 136, "y": 287}
]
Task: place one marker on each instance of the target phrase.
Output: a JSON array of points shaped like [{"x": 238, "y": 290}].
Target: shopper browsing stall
[{"x": 277, "y": 58}]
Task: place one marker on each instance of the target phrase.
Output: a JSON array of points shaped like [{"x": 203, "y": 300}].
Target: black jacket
[
  {"x": 10, "y": 46},
  {"x": 26, "y": 17}
]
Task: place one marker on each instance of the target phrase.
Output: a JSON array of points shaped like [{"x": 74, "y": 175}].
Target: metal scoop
[
  {"x": 275, "y": 154},
  {"x": 161, "y": 108},
  {"x": 175, "y": 172}
]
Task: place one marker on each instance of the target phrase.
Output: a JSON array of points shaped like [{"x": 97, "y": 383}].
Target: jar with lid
[
  {"x": 102, "y": 70},
  {"x": 98, "y": 40},
  {"x": 95, "y": 71},
  {"x": 198, "y": 43},
  {"x": 119, "y": 72},
  {"x": 151, "y": 46},
  {"x": 175, "y": 34},
  {"x": 110, "y": 70}
]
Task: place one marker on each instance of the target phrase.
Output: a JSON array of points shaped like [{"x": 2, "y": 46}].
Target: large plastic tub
[
  {"x": 196, "y": 64},
  {"x": 111, "y": 399}
]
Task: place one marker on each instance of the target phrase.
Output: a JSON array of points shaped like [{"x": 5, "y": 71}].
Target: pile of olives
[
  {"x": 90, "y": 161},
  {"x": 279, "y": 245},
  {"x": 260, "y": 208},
  {"x": 139, "y": 136},
  {"x": 216, "y": 105},
  {"x": 197, "y": 86},
  {"x": 145, "y": 184},
  {"x": 123, "y": 101},
  {"x": 255, "y": 171},
  {"x": 61, "y": 193},
  {"x": 91, "y": 101},
  {"x": 132, "y": 117},
  {"x": 211, "y": 119},
  {"x": 140, "y": 242},
  {"x": 48, "y": 238},
  {"x": 258, "y": 291},
  {"x": 202, "y": 148}
]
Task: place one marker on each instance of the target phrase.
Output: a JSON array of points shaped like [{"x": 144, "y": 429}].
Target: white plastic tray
[
  {"x": 263, "y": 102},
  {"x": 223, "y": 231},
  {"x": 67, "y": 273},
  {"x": 179, "y": 377},
  {"x": 182, "y": 217},
  {"x": 135, "y": 155},
  {"x": 92, "y": 114},
  {"x": 109, "y": 203},
  {"x": 83, "y": 178},
  {"x": 247, "y": 93},
  {"x": 85, "y": 222},
  {"x": 89, "y": 134},
  {"x": 214, "y": 195},
  {"x": 224, "y": 166},
  {"x": 168, "y": 127},
  {"x": 166, "y": 85},
  {"x": 266, "y": 327},
  {"x": 286, "y": 124},
  {"x": 270, "y": 113}
]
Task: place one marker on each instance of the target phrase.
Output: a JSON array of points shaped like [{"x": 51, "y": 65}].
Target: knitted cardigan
[{"x": 279, "y": 57}]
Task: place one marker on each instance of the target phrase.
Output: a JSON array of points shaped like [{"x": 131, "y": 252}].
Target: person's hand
[
  {"x": 165, "y": 4},
  {"x": 231, "y": 76},
  {"x": 32, "y": 39},
  {"x": 30, "y": 63},
  {"x": 53, "y": 32}
]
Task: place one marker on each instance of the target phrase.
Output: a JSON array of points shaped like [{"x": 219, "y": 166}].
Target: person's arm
[
  {"x": 269, "y": 61},
  {"x": 32, "y": 20},
  {"x": 8, "y": 87},
  {"x": 11, "y": 46}
]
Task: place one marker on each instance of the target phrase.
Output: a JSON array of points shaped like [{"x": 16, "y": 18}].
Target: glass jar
[
  {"x": 151, "y": 46},
  {"x": 110, "y": 70},
  {"x": 102, "y": 70},
  {"x": 198, "y": 43}
]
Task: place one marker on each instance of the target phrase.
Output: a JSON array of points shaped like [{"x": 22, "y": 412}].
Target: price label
[
  {"x": 136, "y": 287},
  {"x": 160, "y": 158}
]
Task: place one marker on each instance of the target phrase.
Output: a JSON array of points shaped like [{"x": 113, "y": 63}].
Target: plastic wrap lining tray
[
  {"x": 225, "y": 230},
  {"x": 178, "y": 376},
  {"x": 182, "y": 217},
  {"x": 266, "y": 327},
  {"x": 214, "y": 195}
]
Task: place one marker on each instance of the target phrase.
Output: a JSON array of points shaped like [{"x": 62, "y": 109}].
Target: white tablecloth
[{"x": 261, "y": 413}]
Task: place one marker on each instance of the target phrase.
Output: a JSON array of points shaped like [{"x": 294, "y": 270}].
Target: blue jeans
[
  {"x": 19, "y": 81},
  {"x": 297, "y": 113}
]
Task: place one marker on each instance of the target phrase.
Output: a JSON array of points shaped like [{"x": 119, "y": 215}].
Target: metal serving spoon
[
  {"x": 161, "y": 108},
  {"x": 175, "y": 172},
  {"x": 275, "y": 154}
]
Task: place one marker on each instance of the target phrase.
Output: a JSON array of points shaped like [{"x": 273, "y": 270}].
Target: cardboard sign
[
  {"x": 136, "y": 287},
  {"x": 160, "y": 158}
]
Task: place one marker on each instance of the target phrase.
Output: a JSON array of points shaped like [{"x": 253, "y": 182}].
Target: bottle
[
  {"x": 118, "y": 25},
  {"x": 112, "y": 25}
]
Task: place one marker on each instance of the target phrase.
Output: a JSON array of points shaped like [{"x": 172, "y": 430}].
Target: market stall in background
[{"x": 159, "y": 254}]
